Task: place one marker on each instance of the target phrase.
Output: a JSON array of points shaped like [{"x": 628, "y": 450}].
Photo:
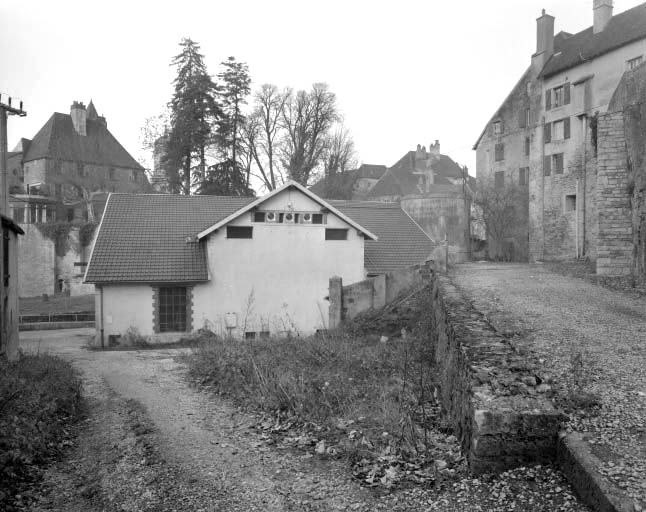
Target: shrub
[
  {"x": 39, "y": 396},
  {"x": 133, "y": 338}
]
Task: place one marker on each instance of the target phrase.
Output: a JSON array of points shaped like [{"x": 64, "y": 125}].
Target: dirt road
[{"x": 153, "y": 443}]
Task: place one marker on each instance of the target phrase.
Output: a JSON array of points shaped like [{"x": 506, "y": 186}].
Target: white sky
[{"x": 405, "y": 72}]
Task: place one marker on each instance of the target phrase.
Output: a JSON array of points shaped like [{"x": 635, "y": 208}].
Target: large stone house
[
  {"x": 170, "y": 264},
  {"x": 543, "y": 141},
  {"x": 430, "y": 186},
  {"x": 63, "y": 176}
]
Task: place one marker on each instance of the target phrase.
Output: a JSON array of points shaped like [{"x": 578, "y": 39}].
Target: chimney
[
  {"x": 79, "y": 116},
  {"x": 602, "y": 10},
  {"x": 420, "y": 153},
  {"x": 545, "y": 35},
  {"x": 434, "y": 149}
]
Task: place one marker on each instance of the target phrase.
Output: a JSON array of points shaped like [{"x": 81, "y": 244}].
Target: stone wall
[
  {"x": 36, "y": 268},
  {"x": 488, "y": 391},
  {"x": 615, "y": 241}
]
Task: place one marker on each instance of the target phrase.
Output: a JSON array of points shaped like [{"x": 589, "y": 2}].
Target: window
[
  {"x": 250, "y": 335},
  {"x": 112, "y": 173},
  {"x": 239, "y": 232},
  {"x": 499, "y": 179},
  {"x": 557, "y": 97},
  {"x": 547, "y": 133},
  {"x": 259, "y": 216},
  {"x": 83, "y": 171},
  {"x": 172, "y": 309},
  {"x": 527, "y": 146},
  {"x": 336, "y": 234},
  {"x": 132, "y": 176},
  {"x": 570, "y": 202},
  {"x": 547, "y": 166},
  {"x": 523, "y": 118},
  {"x": 633, "y": 63},
  {"x": 561, "y": 129},
  {"x": 497, "y": 127},
  {"x": 523, "y": 176},
  {"x": 557, "y": 163},
  {"x": 70, "y": 214},
  {"x": 19, "y": 214},
  {"x": 317, "y": 218},
  {"x": 499, "y": 152}
]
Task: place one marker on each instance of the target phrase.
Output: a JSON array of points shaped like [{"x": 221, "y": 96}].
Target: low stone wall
[{"x": 489, "y": 392}]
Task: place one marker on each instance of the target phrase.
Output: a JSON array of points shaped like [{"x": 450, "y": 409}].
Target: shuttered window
[
  {"x": 547, "y": 165},
  {"x": 566, "y": 128},
  {"x": 523, "y": 176},
  {"x": 557, "y": 163},
  {"x": 547, "y": 131},
  {"x": 548, "y": 99},
  {"x": 526, "y": 146},
  {"x": 566, "y": 94}
]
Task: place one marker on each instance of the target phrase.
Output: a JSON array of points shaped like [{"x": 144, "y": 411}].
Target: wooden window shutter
[
  {"x": 547, "y": 133},
  {"x": 522, "y": 116},
  {"x": 548, "y": 99},
  {"x": 566, "y": 94},
  {"x": 547, "y": 165},
  {"x": 566, "y": 128}
]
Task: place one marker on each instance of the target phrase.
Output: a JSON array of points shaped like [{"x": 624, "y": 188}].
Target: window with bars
[{"x": 172, "y": 309}]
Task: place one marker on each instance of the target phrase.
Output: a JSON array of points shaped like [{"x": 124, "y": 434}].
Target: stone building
[
  {"x": 59, "y": 182},
  {"x": 9, "y": 311},
  {"x": 543, "y": 140},
  {"x": 430, "y": 187}
]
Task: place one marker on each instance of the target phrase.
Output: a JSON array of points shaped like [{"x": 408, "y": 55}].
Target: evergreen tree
[
  {"x": 194, "y": 112},
  {"x": 225, "y": 179}
]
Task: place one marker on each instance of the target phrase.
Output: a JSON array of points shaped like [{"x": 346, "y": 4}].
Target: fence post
[{"x": 336, "y": 302}]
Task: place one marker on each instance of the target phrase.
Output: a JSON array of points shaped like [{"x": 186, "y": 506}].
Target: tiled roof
[
  {"x": 58, "y": 139},
  {"x": 623, "y": 28},
  {"x": 400, "y": 180},
  {"x": 142, "y": 237},
  {"x": 342, "y": 185},
  {"x": 401, "y": 242}
]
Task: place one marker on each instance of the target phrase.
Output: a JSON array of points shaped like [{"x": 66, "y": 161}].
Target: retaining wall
[{"x": 488, "y": 391}]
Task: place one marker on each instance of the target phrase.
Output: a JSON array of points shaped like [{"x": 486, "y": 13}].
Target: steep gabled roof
[
  {"x": 58, "y": 139},
  {"x": 401, "y": 243},
  {"x": 400, "y": 179},
  {"x": 572, "y": 50},
  {"x": 143, "y": 237},
  {"x": 341, "y": 186}
]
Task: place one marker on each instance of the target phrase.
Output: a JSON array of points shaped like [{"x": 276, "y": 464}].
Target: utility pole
[{"x": 6, "y": 108}]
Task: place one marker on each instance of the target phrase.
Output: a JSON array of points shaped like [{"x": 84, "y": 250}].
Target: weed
[
  {"x": 39, "y": 396},
  {"x": 133, "y": 338}
]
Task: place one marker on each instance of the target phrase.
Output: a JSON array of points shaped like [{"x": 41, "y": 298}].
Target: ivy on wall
[
  {"x": 57, "y": 232},
  {"x": 86, "y": 233}
]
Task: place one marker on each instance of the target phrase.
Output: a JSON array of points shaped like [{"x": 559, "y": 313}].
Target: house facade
[
  {"x": 239, "y": 266},
  {"x": 63, "y": 176},
  {"x": 542, "y": 143}
]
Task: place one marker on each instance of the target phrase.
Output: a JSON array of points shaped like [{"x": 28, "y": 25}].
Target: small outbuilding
[
  {"x": 9, "y": 312},
  {"x": 246, "y": 267}
]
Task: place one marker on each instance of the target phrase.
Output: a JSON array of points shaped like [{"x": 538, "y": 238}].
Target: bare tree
[
  {"x": 153, "y": 129},
  {"x": 339, "y": 154},
  {"x": 499, "y": 208},
  {"x": 262, "y": 136},
  {"x": 307, "y": 119}
]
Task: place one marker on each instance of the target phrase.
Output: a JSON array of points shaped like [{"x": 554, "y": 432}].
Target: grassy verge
[
  {"x": 362, "y": 397},
  {"x": 56, "y": 304},
  {"x": 39, "y": 399}
]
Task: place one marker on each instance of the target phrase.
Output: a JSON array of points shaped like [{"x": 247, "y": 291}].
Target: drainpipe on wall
[
  {"x": 576, "y": 218},
  {"x": 543, "y": 187},
  {"x": 101, "y": 315},
  {"x": 583, "y": 184}
]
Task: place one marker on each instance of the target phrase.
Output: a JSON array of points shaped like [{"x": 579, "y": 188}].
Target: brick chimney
[
  {"x": 602, "y": 10},
  {"x": 79, "y": 117},
  {"x": 434, "y": 149}
]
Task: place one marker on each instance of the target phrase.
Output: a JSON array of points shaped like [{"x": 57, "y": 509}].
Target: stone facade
[{"x": 548, "y": 125}]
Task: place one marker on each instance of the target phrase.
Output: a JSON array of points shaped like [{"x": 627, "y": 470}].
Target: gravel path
[
  {"x": 152, "y": 443},
  {"x": 593, "y": 345}
]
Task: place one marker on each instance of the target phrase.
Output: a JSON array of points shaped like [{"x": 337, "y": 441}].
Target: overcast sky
[{"x": 404, "y": 72}]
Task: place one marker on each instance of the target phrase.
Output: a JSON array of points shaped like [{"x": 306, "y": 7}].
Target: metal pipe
[
  {"x": 576, "y": 218},
  {"x": 4, "y": 199},
  {"x": 584, "y": 178},
  {"x": 101, "y": 315}
]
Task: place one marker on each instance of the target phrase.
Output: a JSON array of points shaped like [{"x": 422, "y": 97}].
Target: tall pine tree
[
  {"x": 235, "y": 86},
  {"x": 195, "y": 110}
]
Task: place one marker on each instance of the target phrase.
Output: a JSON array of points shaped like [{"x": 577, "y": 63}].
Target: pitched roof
[
  {"x": 58, "y": 139},
  {"x": 342, "y": 184},
  {"x": 401, "y": 242},
  {"x": 623, "y": 28},
  {"x": 288, "y": 185},
  {"x": 142, "y": 237},
  {"x": 400, "y": 179}
]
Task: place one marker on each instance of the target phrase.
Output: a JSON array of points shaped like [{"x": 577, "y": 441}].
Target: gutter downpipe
[
  {"x": 576, "y": 218},
  {"x": 101, "y": 316},
  {"x": 543, "y": 188},
  {"x": 585, "y": 172}
]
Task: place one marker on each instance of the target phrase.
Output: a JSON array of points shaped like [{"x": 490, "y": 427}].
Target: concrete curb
[
  {"x": 579, "y": 465},
  {"x": 46, "y": 326}
]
